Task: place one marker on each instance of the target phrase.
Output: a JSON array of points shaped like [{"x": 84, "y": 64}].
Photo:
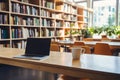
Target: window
[
  {"x": 83, "y": 4},
  {"x": 104, "y": 12},
  {"x": 119, "y": 14}
]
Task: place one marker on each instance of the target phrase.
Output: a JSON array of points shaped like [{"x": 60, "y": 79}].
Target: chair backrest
[
  {"x": 54, "y": 47},
  {"x": 87, "y": 49},
  {"x": 88, "y": 39},
  {"x": 79, "y": 43},
  {"x": 102, "y": 48}
]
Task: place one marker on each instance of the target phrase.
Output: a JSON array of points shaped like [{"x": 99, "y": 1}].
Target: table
[
  {"x": 91, "y": 43},
  {"x": 95, "y": 67},
  {"x": 65, "y": 43},
  {"x": 112, "y": 44}
]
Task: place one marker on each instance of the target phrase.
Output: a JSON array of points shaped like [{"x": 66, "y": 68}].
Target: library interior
[{"x": 90, "y": 28}]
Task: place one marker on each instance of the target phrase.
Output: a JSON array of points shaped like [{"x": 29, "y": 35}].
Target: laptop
[{"x": 36, "y": 48}]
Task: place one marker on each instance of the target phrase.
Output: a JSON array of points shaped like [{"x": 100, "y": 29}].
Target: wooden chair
[
  {"x": 54, "y": 47},
  {"x": 76, "y": 43},
  {"x": 88, "y": 39},
  {"x": 102, "y": 48},
  {"x": 82, "y": 44},
  {"x": 87, "y": 49}
]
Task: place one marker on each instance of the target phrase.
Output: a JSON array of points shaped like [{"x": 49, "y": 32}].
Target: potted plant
[
  {"x": 117, "y": 31},
  {"x": 95, "y": 31},
  {"x": 103, "y": 31},
  {"x": 110, "y": 30}
]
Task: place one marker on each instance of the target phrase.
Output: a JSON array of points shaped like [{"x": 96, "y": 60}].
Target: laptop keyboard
[{"x": 34, "y": 55}]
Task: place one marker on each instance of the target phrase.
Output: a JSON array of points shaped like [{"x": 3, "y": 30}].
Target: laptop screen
[{"x": 38, "y": 46}]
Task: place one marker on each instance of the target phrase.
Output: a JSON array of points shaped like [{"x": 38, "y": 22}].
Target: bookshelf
[{"x": 20, "y": 19}]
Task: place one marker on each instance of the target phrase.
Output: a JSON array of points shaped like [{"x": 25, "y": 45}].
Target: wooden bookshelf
[{"x": 20, "y": 19}]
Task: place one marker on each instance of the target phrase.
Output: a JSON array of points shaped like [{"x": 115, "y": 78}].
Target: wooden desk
[
  {"x": 95, "y": 67},
  {"x": 65, "y": 44},
  {"x": 112, "y": 44},
  {"x": 91, "y": 43}
]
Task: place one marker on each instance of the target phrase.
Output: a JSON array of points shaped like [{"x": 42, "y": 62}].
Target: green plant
[
  {"x": 95, "y": 30},
  {"x": 85, "y": 33},
  {"x": 109, "y": 30},
  {"x": 117, "y": 30}
]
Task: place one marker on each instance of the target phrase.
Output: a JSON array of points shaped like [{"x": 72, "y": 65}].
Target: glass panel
[
  {"x": 83, "y": 4},
  {"x": 119, "y": 13},
  {"x": 104, "y": 12},
  {"x": 77, "y": 0},
  {"x": 69, "y": 0}
]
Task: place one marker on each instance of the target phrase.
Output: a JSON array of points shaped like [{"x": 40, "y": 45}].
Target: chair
[
  {"x": 54, "y": 47},
  {"x": 78, "y": 43},
  {"x": 88, "y": 39},
  {"x": 87, "y": 49},
  {"x": 82, "y": 44},
  {"x": 103, "y": 49}
]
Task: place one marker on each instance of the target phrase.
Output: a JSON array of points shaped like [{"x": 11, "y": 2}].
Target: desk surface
[
  {"x": 96, "y": 67},
  {"x": 91, "y": 42},
  {"x": 110, "y": 43}
]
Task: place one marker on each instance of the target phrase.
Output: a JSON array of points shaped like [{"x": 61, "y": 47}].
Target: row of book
[
  {"x": 3, "y": 5},
  {"x": 52, "y": 33},
  {"x": 19, "y": 44},
  {"x": 59, "y": 16},
  {"x": 25, "y": 9},
  {"x": 59, "y": 33},
  {"x": 47, "y": 4},
  {"x": 73, "y": 17},
  {"x": 3, "y": 18},
  {"x": 4, "y": 33},
  {"x": 73, "y": 10},
  {"x": 27, "y": 1},
  {"x": 70, "y": 24},
  {"x": 69, "y": 17},
  {"x": 30, "y": 32},
  {"x": 59, "y": 23},
  {"x": 47, "y": 13},
  {"x": 47, "y": 22},
  {"x": 49, "y": 33},
  {"x": 18, "y": 20},
  {"x": 67, "y": 24},
  {"x": 4, "y": 45},
  {"x": 24, "y": 32},
  {"x": 67, "y": 8},
  {"x": 16, "y": 32}
]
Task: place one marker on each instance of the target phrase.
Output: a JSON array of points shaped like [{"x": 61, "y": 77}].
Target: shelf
[
  {"x": 25, "y": 3},
  {"x": 1, "y": 11},
  {"x": 4, "y": 24},
  {"x": 4, "y": 39},
  {"x": 32, "y": 26},
  {"x": 19, "y": 38},
  {"x": 47, "y": 17},
  {"x": 20, "y": 19},
  {"x": 21, "y": 14},
  {"x": 48, "y": 27}
]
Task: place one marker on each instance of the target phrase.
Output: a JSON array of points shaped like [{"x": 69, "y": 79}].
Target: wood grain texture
[{"x": 95, "y": 67}]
